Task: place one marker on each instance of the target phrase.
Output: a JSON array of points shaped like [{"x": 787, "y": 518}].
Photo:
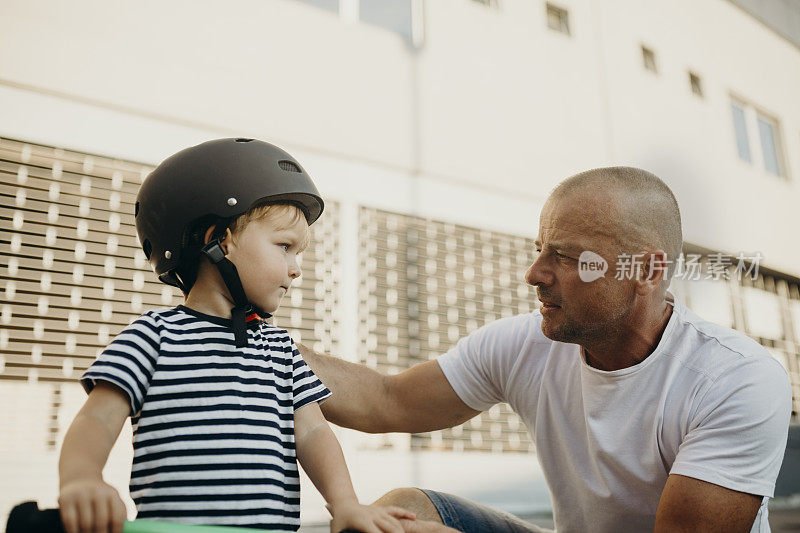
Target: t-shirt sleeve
[
  {"x": 738, "y": 435},
  {"x": 306, "y": 386},
  {"x": 479, "y": 366},
  {"x": 129, "y": 361}
]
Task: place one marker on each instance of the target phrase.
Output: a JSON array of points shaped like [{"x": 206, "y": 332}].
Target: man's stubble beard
[{"x": 591, "y": 330}]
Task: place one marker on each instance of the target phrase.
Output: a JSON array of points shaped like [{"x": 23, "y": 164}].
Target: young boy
[{"x": 222, "y": 404}]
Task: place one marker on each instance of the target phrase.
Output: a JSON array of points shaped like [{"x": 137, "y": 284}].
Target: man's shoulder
[
  {"x": 524, "y": 327},
  {"x": 714, "y": 349},
  {"x": 510, "y": 338}
]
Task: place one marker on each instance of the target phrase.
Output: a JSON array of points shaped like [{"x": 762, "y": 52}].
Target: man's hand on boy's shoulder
[{"x": 368, "y": 518}]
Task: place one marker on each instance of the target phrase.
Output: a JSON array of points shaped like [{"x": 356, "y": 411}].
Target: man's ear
[{"x": 655, "y": 267}]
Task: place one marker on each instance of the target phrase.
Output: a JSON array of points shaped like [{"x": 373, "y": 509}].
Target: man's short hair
[{"x": 651, "y": 212}]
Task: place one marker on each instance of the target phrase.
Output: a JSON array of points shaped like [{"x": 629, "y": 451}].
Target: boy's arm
[
  {"x": 321, "y": 456},
  {"x": 85, "y": 500}
]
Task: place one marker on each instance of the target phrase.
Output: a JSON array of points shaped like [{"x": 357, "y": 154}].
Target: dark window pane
[
  {"x": 649, "y": 59},
  {"x": 696, "y": 84},
  {"x": 558, "y": 19}
]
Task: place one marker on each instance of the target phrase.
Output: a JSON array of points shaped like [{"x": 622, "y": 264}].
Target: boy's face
[{"x": 266, "y": 258}]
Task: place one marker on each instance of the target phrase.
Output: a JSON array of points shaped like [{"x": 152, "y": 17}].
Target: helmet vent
[
  {"x": 289, "y": 166},
  {"x": 148, "y": 248},
  {"x": 136, "y": 210},
  {"x": 243, "y": 140}
]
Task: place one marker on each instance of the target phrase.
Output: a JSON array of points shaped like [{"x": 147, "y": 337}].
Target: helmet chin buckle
[
  {"x": 242, "y": 307},
  {"x": 214, "y": 251}
]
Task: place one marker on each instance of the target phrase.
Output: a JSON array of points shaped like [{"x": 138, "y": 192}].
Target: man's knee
[{"x": 413, "y": 500}]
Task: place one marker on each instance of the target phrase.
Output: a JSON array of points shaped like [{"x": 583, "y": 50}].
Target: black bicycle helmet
[{"x": 211, "y": 184}]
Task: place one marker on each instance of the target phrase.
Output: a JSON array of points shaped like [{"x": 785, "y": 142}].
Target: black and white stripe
[{"x": 213, "y": 424}]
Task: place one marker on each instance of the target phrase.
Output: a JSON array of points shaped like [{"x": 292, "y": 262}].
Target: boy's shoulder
[
  {"x": 275, "y": 334},
  {"x": 162, "y": 315},
  {"x": 170, "y": 319},
  {"x": 162, "y": 311}
]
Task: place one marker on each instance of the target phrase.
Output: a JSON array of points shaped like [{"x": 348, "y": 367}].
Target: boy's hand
[
  {"x": 368, "y": 518},
  {"x": 91, "y": 506}
]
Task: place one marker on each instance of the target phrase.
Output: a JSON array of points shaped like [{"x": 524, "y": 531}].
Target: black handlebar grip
[{"x": 28, "y": 518}]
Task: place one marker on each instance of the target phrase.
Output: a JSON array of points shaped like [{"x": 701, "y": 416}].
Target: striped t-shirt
[{"x": 213, "y": 425}]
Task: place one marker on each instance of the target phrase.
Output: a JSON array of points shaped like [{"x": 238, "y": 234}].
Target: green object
[{"x": 151, "y": 526}]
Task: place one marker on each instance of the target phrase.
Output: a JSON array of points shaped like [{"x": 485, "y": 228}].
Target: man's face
[
  {"x": 574, "y": 310},
  {"x": 267, "y": 258}
]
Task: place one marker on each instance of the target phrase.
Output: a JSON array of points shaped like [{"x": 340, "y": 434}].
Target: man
[{"x": 644, "y": 416}]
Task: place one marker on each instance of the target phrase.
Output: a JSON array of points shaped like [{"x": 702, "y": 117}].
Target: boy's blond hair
[{"x": 282, "y": 215}]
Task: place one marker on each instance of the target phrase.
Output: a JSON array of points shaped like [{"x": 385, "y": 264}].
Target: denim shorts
[{"x": 470, "y": 517}]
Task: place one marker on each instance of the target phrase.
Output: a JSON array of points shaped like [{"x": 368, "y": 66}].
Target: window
[
  {"x": 649, "y": 59},
  {"x": 770, "y": 146},
  {"x": 558, "y": 19},
  {"x": 747, "y": 119},
  {"x": 398, "y": 16},
  {"x": 696, "y": 84},
  {"x": 740, "y": 129},
  {"x": 392, "y": 15},
  {"x": 327, "y": 5}
]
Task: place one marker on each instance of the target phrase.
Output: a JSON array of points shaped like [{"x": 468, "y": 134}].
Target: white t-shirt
[{"x": 708, "y": 403}]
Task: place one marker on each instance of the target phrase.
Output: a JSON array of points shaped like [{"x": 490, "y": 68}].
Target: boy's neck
[{"x": 209, "y": 299}]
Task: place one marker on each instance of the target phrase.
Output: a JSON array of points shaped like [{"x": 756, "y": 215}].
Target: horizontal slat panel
[
  {"x": 26, "y": 372},
  {"x": 35, "y": 179},
  {"x": 408, "y": 262},
  {"x": 20, "y": 198}
]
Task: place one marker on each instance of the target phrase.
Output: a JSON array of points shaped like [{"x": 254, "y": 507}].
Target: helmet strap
[{"x": 242, "y": 308}]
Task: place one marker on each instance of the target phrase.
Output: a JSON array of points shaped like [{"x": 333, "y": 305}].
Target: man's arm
[
  {"x": 689, "y": 504},
  {"x": 736, "y": 443},
  {"x": 416, "y": 400}
]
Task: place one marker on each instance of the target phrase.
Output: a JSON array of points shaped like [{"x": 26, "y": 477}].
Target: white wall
[
  {"x": 508, "y": 104},
  {"x": 660, "y": 125},
  {"x": 275, "y": 69}
]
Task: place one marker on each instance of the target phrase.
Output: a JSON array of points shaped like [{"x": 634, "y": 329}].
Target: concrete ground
[{"x": 784, "y": 520}]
